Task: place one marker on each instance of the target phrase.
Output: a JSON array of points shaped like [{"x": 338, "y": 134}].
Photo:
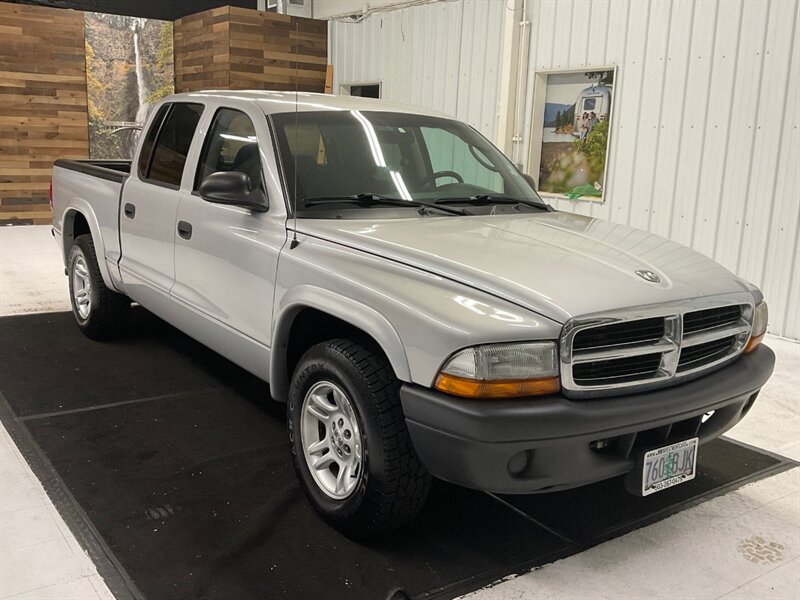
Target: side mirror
[
  {"x": 531, "y": 181},
  {"x": 233, "y": 188}
]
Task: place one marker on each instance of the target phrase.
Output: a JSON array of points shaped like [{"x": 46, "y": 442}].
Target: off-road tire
[
  {"x": 394, "y": 484},
  {"x": 108, "y": 313}
]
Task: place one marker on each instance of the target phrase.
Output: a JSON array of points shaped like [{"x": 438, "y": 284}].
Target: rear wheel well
[
  {"x": 311, "y": 326},
  {"x": 75, "y": 224},
  {"x": 80, "y": 225}
]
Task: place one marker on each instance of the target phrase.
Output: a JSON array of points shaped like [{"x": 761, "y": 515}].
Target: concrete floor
[
  {"x": 745, "y": 544},
  {"x": 39, "y": 557}
]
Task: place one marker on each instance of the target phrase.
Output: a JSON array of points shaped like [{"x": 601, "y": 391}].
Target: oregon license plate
[{"x": 668, "y": 466}]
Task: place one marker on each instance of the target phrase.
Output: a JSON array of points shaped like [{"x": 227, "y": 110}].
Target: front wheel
[
  {"x": 349, "y": 440},
  {"x": 100, "y": 312}
]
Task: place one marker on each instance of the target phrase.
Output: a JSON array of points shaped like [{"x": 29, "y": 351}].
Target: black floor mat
[{"x": 172, "y": 467}]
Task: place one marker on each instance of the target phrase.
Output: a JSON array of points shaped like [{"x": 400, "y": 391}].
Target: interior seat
[{"x": 248, "y": 161}]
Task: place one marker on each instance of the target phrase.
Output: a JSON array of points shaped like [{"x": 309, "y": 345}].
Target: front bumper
[{"x": 550, "y": 443}]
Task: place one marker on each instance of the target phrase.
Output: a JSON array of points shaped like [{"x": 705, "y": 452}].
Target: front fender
[{"x": 341, "y": 307}]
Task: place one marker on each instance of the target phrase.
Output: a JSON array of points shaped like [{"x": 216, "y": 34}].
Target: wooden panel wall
[
  {"x": 238, "y": 48},
  {"x": 202, "y": 51},
  {"x": 272, "y": 51},
  {"x": 43, "y": 105}
]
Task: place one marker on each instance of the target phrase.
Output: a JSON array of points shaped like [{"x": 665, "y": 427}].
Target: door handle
[
  {"x": 185, "y": 230},
  {"x": 130, "y": 210}
]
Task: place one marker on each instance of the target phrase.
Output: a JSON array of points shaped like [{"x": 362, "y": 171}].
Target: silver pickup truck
[{"x": 420, "y": 309}]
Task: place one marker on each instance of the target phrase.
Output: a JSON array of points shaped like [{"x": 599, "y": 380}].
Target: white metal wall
[
  {"x": 705, "y": 145},
  {"x": 435, "y": 55},
  {"x": 325, "y": 9},
  {"x": 705, "y": 142}
]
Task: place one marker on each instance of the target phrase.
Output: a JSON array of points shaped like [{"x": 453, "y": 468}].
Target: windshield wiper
[
  {"x": 484, "y": 199},
  {"x": 376, "y": 199}
]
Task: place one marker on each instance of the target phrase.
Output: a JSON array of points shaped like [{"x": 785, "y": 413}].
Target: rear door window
[
  {"x": 172, "y": 146},
  {"x": 146, "y": 151}
]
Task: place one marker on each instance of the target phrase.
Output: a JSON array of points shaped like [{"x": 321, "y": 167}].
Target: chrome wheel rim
[
  {"x": 81, "y": 287},
  {"x": 331, "y": 440}
]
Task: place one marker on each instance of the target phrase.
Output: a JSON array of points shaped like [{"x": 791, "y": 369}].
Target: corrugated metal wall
[
  {"x": 435, "y": 55},
  {"x": 705, "y": 145}
]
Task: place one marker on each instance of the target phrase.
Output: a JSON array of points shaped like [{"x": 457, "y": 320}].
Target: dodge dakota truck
[{"x": 419, "y": 308}]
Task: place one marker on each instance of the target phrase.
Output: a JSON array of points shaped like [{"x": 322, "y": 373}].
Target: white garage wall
[
  {"x": 705, "y": 145},
  {"x": 325, "y": 9},
  {"x": 435, "y": 55}
]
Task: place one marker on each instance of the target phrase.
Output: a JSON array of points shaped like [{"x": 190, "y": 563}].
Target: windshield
[{"x": 341, "y": 155}]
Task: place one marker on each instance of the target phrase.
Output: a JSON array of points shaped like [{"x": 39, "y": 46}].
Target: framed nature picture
[
  {"x": 129, "y": 67},
  {"x": 571, "y": 125}
]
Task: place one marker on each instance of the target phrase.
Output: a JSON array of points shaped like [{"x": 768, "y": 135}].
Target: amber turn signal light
[
  {"x": 760, "y": 320},
  {"x": 754, "y": 343},
  {"x": 515, "y": 388}
]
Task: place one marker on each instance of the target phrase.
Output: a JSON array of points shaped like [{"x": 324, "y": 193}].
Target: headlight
[
  {"x": 760, "y": 318},
  {"x": 501, "y": 371}
]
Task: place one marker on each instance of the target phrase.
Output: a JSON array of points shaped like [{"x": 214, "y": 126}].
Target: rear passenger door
[{"x": 150, "y": 201}]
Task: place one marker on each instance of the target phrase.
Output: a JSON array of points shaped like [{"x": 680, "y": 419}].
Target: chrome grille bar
[
  {"x": 613, "y": 352},
  {"x": 718, "y": 329},
  {"x": 709, "y": 335}
]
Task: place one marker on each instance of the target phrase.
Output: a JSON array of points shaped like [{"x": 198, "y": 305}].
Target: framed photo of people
[{"x": 571, "y": 131}]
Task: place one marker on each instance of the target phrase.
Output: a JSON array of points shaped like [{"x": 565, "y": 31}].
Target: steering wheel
[{"x": 439, "y": 174}]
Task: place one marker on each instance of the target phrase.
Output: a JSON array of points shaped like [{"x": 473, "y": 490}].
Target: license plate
[{"x": 669, "y": 466}]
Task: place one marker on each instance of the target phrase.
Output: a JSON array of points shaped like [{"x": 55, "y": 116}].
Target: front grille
[
  {"x": 615, "y": 371},
  {"x": 608, "y": 352},
  {"x": 629, "y": 332},
  {"x": 703, "y": 320},
  {"x": 702, "y": 354}
]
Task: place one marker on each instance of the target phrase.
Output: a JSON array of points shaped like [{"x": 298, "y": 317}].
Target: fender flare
[
  {"x": 83, "y": 208},
  {"x": 355, "y": 313}
]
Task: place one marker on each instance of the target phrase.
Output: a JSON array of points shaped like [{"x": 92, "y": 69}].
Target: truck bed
[{"x": 92, "y": 188}]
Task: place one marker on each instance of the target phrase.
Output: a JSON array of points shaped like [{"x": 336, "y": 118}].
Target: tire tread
[
  {"x": 405, "y": 482},
  {"x": 109, "y": 313}
]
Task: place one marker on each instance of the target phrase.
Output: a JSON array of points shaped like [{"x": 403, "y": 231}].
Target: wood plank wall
[
  {"x": 43, "y": 105},
  {"x": 202, "y": 50},
  {"x": 238, "y": 48},
  {"x": 272, "y": 51}
]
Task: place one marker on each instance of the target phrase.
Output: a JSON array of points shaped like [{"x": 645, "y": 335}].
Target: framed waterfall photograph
[
  {"x": 129, "y": 67},
  {"x": 571, "y": 131}
]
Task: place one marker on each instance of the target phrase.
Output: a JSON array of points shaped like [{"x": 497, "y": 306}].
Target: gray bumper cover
[{"x": 472, "y": 442}]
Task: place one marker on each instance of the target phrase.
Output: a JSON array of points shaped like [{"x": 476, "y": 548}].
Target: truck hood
[{"x": 557, "y": 264}]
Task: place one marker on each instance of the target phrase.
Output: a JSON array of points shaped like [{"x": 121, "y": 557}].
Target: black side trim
[{"x": 110, "y": 170}]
